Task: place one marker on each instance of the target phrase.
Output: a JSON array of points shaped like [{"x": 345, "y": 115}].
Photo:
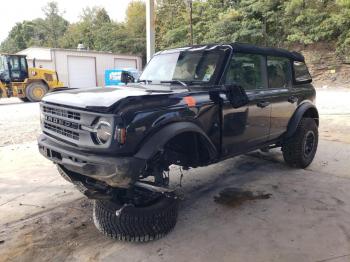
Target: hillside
[{"x": 326, "y": 67}]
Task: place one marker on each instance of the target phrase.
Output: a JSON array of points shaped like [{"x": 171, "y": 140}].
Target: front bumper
[{"x": 115, "y": 171}]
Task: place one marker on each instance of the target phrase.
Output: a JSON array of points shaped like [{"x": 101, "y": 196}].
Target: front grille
[
  {"x": 62, "y": 131},
  {"x": 61, "y": 122},
  {"x": 66, "y": 124},
  {"x": 61, "y": 112}
]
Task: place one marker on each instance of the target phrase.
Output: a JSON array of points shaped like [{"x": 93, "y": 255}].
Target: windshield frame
[{"x": 224, "y": 52}]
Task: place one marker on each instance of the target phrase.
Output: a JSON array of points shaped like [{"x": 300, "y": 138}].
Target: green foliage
[
  {"x": 54, "y": 24},
  {"x": 38, "y": 32},
  {"x": 265, "y": 22},
  {"x": 171, "y": 24},
  {"x": 95, "y": 30}
]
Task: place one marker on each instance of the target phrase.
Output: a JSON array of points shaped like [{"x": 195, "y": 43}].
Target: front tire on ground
[
  {"x": 35, "y": 91},
  {"x": 300, "y": 149},
  {"x": 136, "y": 224}
]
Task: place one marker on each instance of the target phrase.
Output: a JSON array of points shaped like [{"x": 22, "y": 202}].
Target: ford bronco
[{"x": 192, "y": 107}]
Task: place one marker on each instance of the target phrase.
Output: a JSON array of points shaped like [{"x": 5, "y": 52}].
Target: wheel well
[
  {"x": 312, "y": 113},
  {"x": 40, "y": 81},
  {"x": 188, "y": 149}
]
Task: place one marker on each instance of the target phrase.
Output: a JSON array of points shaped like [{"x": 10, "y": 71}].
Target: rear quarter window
[
  {"x": 301, "y": 72},
  {"x": 279, "y": 72}
]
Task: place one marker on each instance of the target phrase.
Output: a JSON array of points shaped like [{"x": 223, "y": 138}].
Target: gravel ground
[{"x": 19, "y": 121}]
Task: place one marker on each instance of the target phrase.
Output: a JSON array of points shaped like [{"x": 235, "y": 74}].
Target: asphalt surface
[{"x": 304, "y": 216}]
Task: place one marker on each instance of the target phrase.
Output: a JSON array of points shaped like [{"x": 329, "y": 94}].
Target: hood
[{"x": 104, "y": 96}]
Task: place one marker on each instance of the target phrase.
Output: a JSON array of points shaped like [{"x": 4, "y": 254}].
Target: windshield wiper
[
  {"x": 194, "y": 82},
  {"x": 174, "y": 82},
  {"x": 144, "y": 81}
]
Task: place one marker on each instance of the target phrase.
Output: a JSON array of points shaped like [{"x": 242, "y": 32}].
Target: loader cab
[{"x": 13, "y": 68}]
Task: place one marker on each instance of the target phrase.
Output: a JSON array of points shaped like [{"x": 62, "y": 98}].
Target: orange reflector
[
  {"x": 120, "y": 135},
  {"x": 190, "y": 101}
]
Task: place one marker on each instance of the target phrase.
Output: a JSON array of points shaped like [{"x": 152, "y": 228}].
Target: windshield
[{"x": 187, "y": 66}]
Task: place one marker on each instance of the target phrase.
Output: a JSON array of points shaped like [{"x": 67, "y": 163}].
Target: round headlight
[{"x": 103, "y": 131}]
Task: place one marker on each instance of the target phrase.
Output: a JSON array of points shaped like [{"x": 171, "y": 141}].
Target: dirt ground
[{"x": 302, "y": 215}]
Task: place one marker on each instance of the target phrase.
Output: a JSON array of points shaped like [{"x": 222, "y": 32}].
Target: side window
[
  {"x": 245, "y": 70},
  {"x": 301, "y": 73},
  {"x": 14, "y": 63},
  {"x": 23, "y": 64},
  {"x": 278, "y": 70}
]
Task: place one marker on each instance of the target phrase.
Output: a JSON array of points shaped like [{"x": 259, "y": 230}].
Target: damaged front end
[{"x": 120, "y": 172}]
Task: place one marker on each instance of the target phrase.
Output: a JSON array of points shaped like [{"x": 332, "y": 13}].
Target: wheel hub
[
  {"x": 38, "y": 92},
  {"x": 309, "y": 143}
]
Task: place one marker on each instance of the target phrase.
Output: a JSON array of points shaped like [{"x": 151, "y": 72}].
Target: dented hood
[{"x": 103, "y": 96}]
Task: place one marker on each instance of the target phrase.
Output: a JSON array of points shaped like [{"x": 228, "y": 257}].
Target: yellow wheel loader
[{"x": 28, "y": 84}]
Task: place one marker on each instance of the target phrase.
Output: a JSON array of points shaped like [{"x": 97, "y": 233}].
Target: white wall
[
  {"x": 103, "y": 61},
  {"x": 39, "y": 53},
  {"x": 59, "y": 61},
  {"x": 41, "y": 63}
]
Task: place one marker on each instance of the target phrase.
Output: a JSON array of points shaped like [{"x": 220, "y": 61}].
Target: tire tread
[
  {"x": 135, "y": 224},
  {"x": 292, "y": 148}
]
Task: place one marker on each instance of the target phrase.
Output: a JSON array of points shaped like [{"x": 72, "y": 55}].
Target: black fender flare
[
  {"x": 158, "y": 140},
  {"x": 298, "y": 115}
]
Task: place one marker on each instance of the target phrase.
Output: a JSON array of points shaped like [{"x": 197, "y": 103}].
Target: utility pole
[
  {"x": 191, "y": 22},
  {"x": 150, "y": 29}
]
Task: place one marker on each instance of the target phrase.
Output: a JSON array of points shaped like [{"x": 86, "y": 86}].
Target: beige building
[{"x": 79, "y": 68}]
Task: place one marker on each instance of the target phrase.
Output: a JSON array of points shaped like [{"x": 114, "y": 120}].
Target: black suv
[{"x": 193, "y": 106}]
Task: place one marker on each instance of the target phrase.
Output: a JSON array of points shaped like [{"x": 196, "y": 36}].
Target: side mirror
[
  {"x": 236, "y": 95},
  {"x": 124, "y": 78}
]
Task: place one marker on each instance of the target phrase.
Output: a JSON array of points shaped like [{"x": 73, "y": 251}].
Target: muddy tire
[
  {"x": 35, "y": 91},
  {"x": 136, "y": 224},
  {"x": 300, "y": 149}
]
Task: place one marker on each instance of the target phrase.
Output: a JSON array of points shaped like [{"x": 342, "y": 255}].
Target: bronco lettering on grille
[{"x": 61, "y": 122}]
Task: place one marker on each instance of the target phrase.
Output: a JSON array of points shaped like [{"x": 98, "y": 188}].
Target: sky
[{"x": 13, "y": 11}]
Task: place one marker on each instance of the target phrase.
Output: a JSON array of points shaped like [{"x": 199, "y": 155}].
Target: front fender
[
  {"x": 158, "y": 140},
  {"x": 306, "y": 108}
]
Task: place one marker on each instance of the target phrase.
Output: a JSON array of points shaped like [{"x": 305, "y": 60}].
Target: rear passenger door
[
  {"x": 248, "y": 126},
  {"x": 282, "y": 100}
]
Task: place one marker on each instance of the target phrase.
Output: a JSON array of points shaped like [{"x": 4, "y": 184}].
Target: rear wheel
[
  {"x": 299, "y": 150},
  {"x": 35, "y": 91}
]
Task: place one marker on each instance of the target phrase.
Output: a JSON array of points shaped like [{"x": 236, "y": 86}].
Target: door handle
[
  {"x": 263, "y": 104},
  {"x": 292, "y": 99}
]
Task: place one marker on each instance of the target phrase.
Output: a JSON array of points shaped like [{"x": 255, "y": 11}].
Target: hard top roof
[{"x": 245, "y": 48}]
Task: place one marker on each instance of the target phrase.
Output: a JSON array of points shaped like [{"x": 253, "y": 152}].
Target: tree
[
  {"x": 265, "y": 22},
  {"x": 171, "y": 24},
  {"x": 38, "y": 32},
  {"x": 135, "y": 27},
  {"x": 55, "y": 25}
]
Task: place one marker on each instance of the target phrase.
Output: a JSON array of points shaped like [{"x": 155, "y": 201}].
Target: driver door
[{"x": 246, "y": 127}]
